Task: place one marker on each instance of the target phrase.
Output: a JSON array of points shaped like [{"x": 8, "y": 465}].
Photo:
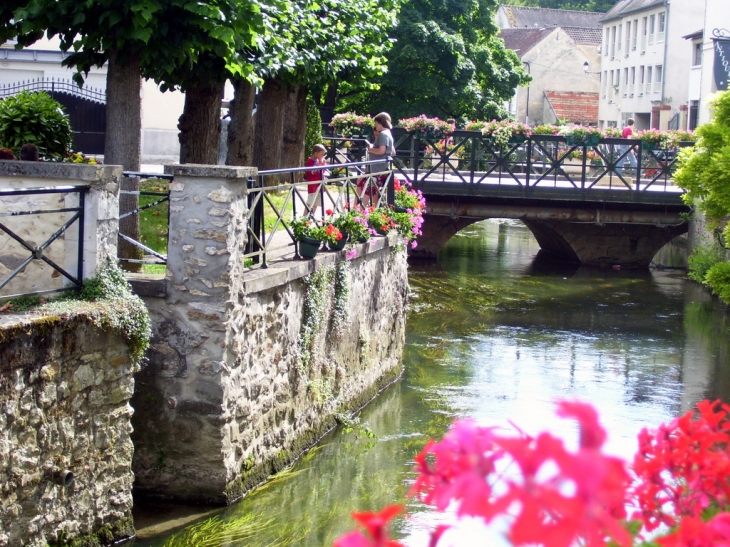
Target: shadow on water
[{"x": 496, "y": 332}]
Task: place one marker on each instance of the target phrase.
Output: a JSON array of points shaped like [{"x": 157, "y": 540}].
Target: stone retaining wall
[
  {"x": 248, "y": 369},
  {"x": 65, "y": 447}
]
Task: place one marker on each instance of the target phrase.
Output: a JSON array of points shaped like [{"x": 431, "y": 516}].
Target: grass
[{"x": 153, "y": 222}]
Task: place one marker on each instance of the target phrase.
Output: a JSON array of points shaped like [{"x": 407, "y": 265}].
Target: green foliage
[
  {"x": 702, "y": 259},
  {"x": 176, "y": 41},
  {"x": 36, "y": 118},
  {"x": 447, "y": 62},
  {"x": 108, "y": 301},
  {"x": 704, "y": 171},
  {"x": 580, "y": 5},
  {"x": 718, "y": 279},
  {"x": 314, "y": 42},
  {"x": 314, "y": 127}
]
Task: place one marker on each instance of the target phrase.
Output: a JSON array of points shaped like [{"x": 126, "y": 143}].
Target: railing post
[
  {"x": 583, "y": 170},
  {"x": 528, "y": 168},
  {"x": 391, "y": 184},
  {"x": 416, "y": 148},
  {"x": 82, "y": 219},
  {"x": 638, "y": 169},
  {"x": 473, "y": 159}
]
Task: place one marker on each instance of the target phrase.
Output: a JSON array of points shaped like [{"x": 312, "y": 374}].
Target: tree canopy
[
  {"x": 446, "y": 61},
  {"x": 704, "y": 171}
]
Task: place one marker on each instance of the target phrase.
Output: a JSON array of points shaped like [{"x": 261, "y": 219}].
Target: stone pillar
[{"x": 207, "y": 236}]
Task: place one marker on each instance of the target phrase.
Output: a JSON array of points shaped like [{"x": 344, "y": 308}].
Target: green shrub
[
  {"x": 718, "y": 279},
  {"x": 314, "y": 128},
  {"x": 702, "y": 259},
  {"x": 38, "y": 119}
]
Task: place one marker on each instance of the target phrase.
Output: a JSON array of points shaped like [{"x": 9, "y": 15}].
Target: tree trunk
[
  {"x": 330, "y": 100},
  {"x": 122, "y": 145},
  {"x": 240, "y": 130},
  {"x": 295, "y": 127},
  {"x": 200, "y": 123},
  {"x": 269, "y": 126}
]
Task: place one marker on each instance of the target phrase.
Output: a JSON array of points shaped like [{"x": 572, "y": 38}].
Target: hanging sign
[{"x": 722, "y": 58}]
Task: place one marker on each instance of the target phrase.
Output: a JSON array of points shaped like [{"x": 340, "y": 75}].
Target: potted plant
[
  {"x": 309, "y": 236},
  {"x": 379, "y": 220},
  {"x": 651, "y": 139},
  {"x": 405, "y": 198},
  {"x": 353, "y": 223},
  {"x": 576, "y": 135},
  {"x": 506, "y": 131},
  {"x": 428, "y": 128},
  {"x": 349, "y": 124}
]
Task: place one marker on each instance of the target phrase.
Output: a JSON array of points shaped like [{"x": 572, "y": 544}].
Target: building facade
[
  {"x": 554, "y": 46},
  {"x": 710, "y": 61},
  {"x": 644, "y": 60}
]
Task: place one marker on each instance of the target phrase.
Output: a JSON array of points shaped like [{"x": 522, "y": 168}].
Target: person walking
[
  {"x": 626, "y": 133},
  {"x": 315, "y": 176}
]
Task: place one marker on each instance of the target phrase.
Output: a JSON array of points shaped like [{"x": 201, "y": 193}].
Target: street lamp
[{"x": 586, "y": 66}]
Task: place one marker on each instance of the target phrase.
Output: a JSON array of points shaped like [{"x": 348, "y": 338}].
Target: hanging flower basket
[
  {"x": 308, "y": 247},
  {"x": 516, "y": 139}
]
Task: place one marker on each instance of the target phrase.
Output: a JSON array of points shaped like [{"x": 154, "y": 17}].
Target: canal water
[{"x": 496, "y": 332}]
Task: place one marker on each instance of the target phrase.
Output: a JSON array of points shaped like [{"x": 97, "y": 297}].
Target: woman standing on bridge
[{"x": 383, "y": 146}]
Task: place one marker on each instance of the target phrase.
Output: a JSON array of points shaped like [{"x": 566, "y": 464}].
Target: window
[
  {"x": 612, "y": 91},
  {"x": 604, "y": 82},
  {"x": 644, "y": 28},
  {"x": 662, "y": 23},
  {"x": 605, "y": 41},
  {"x": 658, "y": 78},
  {"x": 652, "y": 26},
  {"x": 697, "y": 57},
  {"x": 694, "y": 110},
  {"x": 626, "y": 81},
  {"x": 628, "y": 37},
  {"x": 618, "y": 39},
  {"x": 641, "y": 81},
  {"x": 613, "y": 42},
  {"x": 632, "y": 81},
  {"x": 636, "y": 33},
  {"x": 648, "y": 79}
]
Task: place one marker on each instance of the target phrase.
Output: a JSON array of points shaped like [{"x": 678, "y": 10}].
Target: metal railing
[
  {"x": 467, "y": 157},
  {"x": 276, "y": 197},
  {"x": 39, "y": 251},
  {"x": 153, "y": 257}
]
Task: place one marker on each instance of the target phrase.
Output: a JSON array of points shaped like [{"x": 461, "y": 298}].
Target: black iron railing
[
  {"x": 73, "y": 214},
  {"x": 278, "y": 196},
  {"x": 157, "y": 198},
  {"x": 467, "y": 157}
]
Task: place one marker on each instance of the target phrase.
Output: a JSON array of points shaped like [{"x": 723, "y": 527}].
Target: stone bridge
[{"x": 604, "y": 227}]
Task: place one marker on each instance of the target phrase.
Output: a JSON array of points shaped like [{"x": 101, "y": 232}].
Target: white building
[
  {"x": 644, "y": 60},
  {"x": 710, "y": 47},
  {"x": 160, "y": 111}
]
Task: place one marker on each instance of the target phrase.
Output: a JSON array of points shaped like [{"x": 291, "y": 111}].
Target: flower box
[
  {"x": 517, "y": 139},
  {"x": 308, "y": 247},
  {"x": 587, "y": 140},
  {"x": 650, "y": 145}
]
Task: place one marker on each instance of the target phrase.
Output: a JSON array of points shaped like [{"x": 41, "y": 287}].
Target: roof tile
[{"x": 574, "y": 106}]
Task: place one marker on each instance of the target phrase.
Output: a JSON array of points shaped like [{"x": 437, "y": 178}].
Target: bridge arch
[{"x": 589, "y": 236}]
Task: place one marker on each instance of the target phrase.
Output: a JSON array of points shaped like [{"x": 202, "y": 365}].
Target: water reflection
[{"x": 496, "y": 332}]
